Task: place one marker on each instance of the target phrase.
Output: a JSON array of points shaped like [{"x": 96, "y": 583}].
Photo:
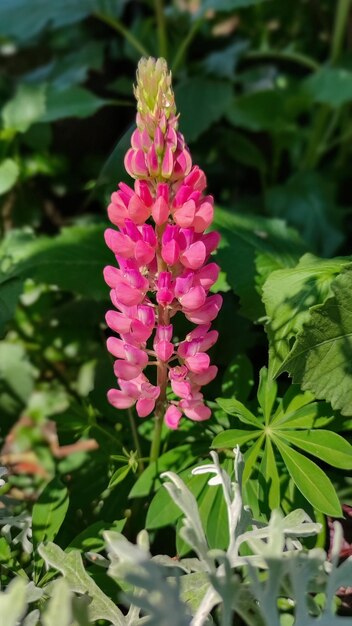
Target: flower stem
[
  {"x": 181, "y": 50},
  {"x": 160, "y": 18},
  {"x": 135, "y": 438},
  {"x": 339, "y": 32},
  {"x": 120, "y": 28}
]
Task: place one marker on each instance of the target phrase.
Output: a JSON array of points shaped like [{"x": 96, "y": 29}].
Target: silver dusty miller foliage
[{"x": 213, "y": 587}]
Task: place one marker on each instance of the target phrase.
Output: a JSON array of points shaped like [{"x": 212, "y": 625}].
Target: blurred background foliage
[{"x": 264, "y": 89}]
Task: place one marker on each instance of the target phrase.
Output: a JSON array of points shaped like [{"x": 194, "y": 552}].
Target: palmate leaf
[
  {"x": 310, "y": 480},
  {"x": 236, "y": 408},
  {"x": 270, "y": 490},
  {"x": 324, "y": 444},
  {"x": 321, "y": 358},
  {"x": 288, "y": 295}
]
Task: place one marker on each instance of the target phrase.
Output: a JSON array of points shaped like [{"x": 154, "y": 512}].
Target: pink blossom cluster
[{"x": 164, "y": 264}]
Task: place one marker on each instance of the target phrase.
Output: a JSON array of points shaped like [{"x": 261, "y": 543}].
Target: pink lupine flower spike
[{"x": 164, "y": 264}]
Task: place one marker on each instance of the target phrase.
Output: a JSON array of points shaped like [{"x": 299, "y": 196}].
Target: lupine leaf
[
  {"x": 310, "y": 480},
  {"x": 270, "y": 491},
  {"x": 233, "y": 438},
  {"x": 236, "y": 408},
  {"x": 324, "y": 444}
]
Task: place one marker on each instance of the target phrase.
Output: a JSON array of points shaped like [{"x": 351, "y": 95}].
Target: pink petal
[
  {"x": 208, "y": 275},
  {"x": 145, "y": 406},
  {"x": 167, "y": 165},
  {"x": 205, "y": 377},
  {"x": 112, "y": 276},
  {"x": 206, "y": 313},
  {"x": 181, "y": 388},
  {"x": 135, "y": 355},
  {"x": 143, "y": 253},
  {"x": 184, "y": 216},
  {"x": 118, "y": 322},
  {"x": 198, "y": 363},
  {"x": 164, "y": 350},
  {"x": 194, "y": 256},
  {"x": 204, "y": 217},
  {"x": 194, "y": 299},
  {"x": 140, "y": 332},
  {"x": 160, "y": 211},
  {"x": 128, "y": 295},
  {"x": 117, "y": 214},
  {"x": 116, "y": 347},
  {"x": 125, "y": 370},
  {"x": 172, "y": 417},
  {"x": 137, "y": 210},
  {"x": 198, "y": 413},
  {"x": 120, "y": 400},
  {"x": 170, "y": 252},
  {"x": 119, "y": 243}
]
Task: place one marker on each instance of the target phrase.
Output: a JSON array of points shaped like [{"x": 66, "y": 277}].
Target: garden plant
[{"x": 175, "y": 313}]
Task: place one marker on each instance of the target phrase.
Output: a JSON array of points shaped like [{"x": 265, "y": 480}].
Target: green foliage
[
  {"x": 321, "y": 356},
  {"x": 296, "y": 421}
]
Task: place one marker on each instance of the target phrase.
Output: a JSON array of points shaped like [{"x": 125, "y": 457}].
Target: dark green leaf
[
  {"x": 243, "y": 237},
  {"x": 238, "y": 378},
  {"x": 311, "y": 481},
  {"x": 197, "y": 115},
  {"x": 330, "y": 85},
  {"x": 37, "y": 14},
  {"x": 176, "y": 460},
  {"x": 306, "y": 201},
  {"x": 229, "y": 5},
  {"x": 223, "y": 63},
  {"x": 321, "y": 358},
  {"x": 72, "y": 102},
  {"x": 81, "y": 250}
]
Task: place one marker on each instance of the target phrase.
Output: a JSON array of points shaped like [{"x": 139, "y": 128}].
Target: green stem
[
  {"x": 293, "y": 57},
  {"x": 313, "y": 153},
  {"x": 186, "y": 43},
  {"x": 155, "y": 447},
  {"x": 136, "y": 439},
  {"x": 120, "y": 28},
  {"x": 161, "y": 23},
  {"x": 341, "y": 15}
]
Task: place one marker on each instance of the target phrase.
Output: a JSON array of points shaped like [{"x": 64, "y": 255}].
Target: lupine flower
[{"x": 164, "y": 263}]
